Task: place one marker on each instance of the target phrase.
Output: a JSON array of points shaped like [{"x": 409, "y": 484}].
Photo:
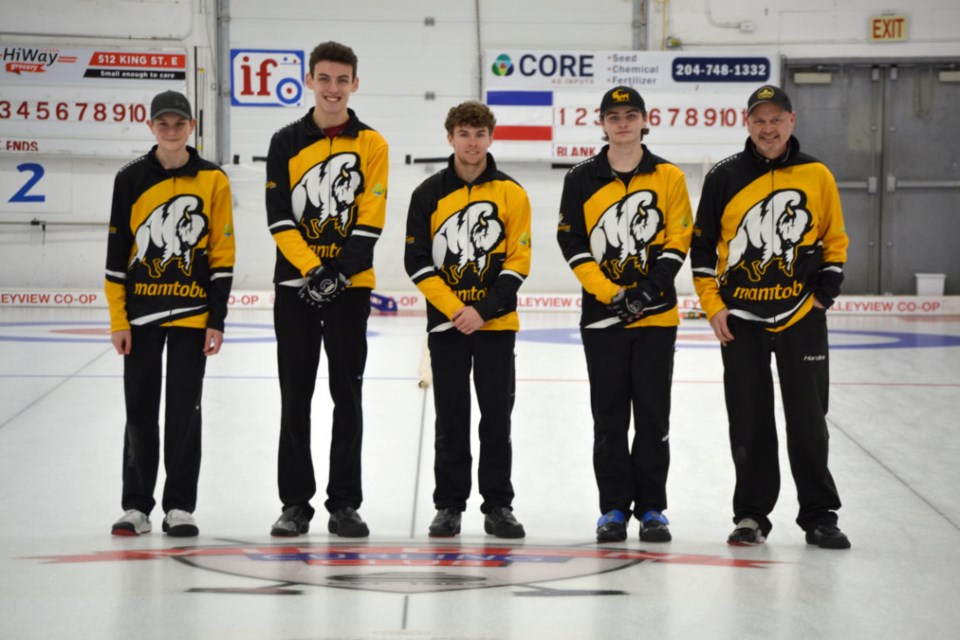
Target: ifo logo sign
[{"x": 266, "y": 78}]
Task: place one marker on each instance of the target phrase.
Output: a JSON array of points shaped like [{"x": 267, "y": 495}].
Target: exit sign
[{"x": 888, "y": 28}]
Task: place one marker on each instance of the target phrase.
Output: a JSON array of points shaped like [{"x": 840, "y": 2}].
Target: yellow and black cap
[
  {"x": 771, "y": 94},
  {"x": 622, "y": 97}
]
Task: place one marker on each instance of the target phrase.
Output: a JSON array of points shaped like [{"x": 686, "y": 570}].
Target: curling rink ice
[{"x": 895, "y": 447}]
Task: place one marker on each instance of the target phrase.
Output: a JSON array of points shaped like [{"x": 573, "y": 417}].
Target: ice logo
[
  {"x": 410, "y": 568},
  {"x": 503, "y": 65}
]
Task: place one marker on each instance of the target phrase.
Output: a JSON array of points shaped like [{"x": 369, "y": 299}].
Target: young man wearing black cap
[
  {"x": 767, "y": 256},
  {"x": 326, "y": 199},
  {"x": 468, "y": 251},
  {"x": 624, "y": 229},
  {"x": 170, "y": 253}
]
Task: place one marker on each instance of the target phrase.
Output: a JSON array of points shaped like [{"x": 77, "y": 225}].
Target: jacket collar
[
  {"x": 353, "y": 125},
  {"x": 603, "y": 169},
  {"x": 489, "y": 173},
  {"x": 793, "y": 150},
  {"x": 190, "y": 169}
]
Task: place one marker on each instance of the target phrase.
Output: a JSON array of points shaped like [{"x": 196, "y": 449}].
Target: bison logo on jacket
[
  {"x": 327, "y": 191},
  {"x": 773, "y": 227},
  {"x": 626, "y": 230},
  {"x": 173, "y": 229},
  {"x": 467, "y": 237}
]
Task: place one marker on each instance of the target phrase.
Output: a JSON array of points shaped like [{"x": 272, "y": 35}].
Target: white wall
[
  {"x": 811, "y": 29},
  {"x": 401, "y": 60},
  {"x": 71, "y": 249}
]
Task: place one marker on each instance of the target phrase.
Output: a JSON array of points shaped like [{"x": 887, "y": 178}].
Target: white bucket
[{"x": 931, "y": 284}]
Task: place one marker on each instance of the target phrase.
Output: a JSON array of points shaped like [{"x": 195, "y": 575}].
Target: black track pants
[
  {"x": 142, "y": 381},
  {"x": 340, "y": 327},
  {"x": 631, "y": 369},
  {"x": 491, "y": 356},
  {"x": 801, "y": 354}
]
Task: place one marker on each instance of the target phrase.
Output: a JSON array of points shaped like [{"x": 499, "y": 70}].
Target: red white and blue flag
[{"x": 522, "y": 115}]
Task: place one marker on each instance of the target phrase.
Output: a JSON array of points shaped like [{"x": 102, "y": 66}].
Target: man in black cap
[
  {"x": 170, "y": 254},
  {"x": 624, "y": 229},
  {"x": 767, "y": 256}
]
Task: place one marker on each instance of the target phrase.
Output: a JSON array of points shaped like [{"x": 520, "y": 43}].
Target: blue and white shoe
[
  {"x": 653, "y": 527},
  {"x": 612, "y": 526}
]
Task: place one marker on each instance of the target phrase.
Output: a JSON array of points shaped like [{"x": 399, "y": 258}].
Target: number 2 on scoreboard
[{"x": 24, "y": 195}]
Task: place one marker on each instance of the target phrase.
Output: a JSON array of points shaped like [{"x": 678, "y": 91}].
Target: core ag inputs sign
[{"x": 547, "y": 102}]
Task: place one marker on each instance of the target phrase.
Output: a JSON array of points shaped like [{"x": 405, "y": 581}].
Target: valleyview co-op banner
[{"x": 547, "y": 102}]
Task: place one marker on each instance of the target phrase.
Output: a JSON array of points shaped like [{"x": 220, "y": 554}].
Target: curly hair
[
  {"x": 471, "y": 114},
  {"x": 333, "y": 52}
]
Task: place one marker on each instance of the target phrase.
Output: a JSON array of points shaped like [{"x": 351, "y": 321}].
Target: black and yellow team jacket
[
  {"x": 326, "y": 199},
  {"x": 616, "y": 235},
  {"x": 171, "y": 245},
  {"x": 469, "y": 244},
  {"x": 769, "y": 237}
]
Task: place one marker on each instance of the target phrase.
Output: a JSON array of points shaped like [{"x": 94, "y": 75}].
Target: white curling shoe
[
  {"x": 133, "y": 523},
  {"x": 180, "y": 524}
]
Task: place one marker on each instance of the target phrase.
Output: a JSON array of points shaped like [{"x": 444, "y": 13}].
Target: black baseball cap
[
  {"x": 771, "y": 94},
  {"x": 622, "y": 96},
  {"x": 170, "y": 102}
]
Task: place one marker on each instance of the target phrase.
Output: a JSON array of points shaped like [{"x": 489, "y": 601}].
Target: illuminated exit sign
[{"x": 888, "y": 28}]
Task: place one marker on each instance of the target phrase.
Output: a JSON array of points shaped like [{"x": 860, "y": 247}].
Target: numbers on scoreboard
[
  {"x": 693, "y": 117},
  {"x": 577, "y": 117},
  {"x": 658, "y": 117},
  {"x": 44, "y": 110},
  {"x": 23, "y": 194}
]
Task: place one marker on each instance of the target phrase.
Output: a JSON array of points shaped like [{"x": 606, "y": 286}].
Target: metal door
[{"x": 890, "y": 133}]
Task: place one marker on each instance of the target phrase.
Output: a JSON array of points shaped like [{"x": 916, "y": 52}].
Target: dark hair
[
  {"x": 333, "y": 52},
  {"x": 471, "y": 114}
]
